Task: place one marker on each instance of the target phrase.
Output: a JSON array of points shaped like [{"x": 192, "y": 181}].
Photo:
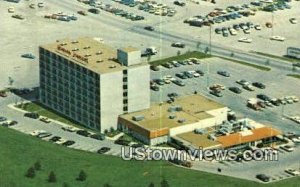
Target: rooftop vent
[
  {"x": 99, "y": 53},
  {"x": 87, "y": 47},
  {"x": 75, "y": 49},
  {"x": 112, "y": 66},
  {"x": 87, "y": 55},
  {"x": 99, "y": 61},
  {"x": 138, "y": 118},
  {"x": 62, "y": 44}
]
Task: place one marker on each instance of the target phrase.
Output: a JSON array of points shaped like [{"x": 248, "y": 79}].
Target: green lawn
[
  {"x": 19, "y": 152},
  {"x": 192, "y": 54},
  {"x": 263, "y": 68},
  {"x": 278, "y": 57},
  {"x": 49, "y": 113},
  {"x": 294, "y": 75}
]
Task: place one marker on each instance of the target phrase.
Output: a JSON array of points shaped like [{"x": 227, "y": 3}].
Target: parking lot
[
  {"x": 249, "y": 169},
  {"x": 276, "y": 87}
]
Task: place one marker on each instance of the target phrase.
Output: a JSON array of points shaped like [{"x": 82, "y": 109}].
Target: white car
[
  {"x": 296, "y": 139},
  {"x": 257, "y": 27},
  {"x": 287, "y": 148},
  {"x": 11, "y": 9},
  {"x": 248, "y": 87},
  {"x": 232, "y": 31},
  {"x": 60, "y": 141},
  {"x": 37, "y": 132},
  {"x": 294, "y": 98},
  {"x": 293, "y": 21},
  {"x": 292, "y": 172},
  {"x": 194, "y": 73},
  {"x": 277, "y": 38},
  {"x": 70, "y": 129},
  {"x": 245, "y": 40}
]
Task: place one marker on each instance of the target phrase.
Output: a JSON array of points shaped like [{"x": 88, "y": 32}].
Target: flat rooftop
[
  {"x": 247, "y": 136},
  {"x": 198, "y": 140},
  {"x": 89, "y": 53},
  {"x": 194, "y": 109}
]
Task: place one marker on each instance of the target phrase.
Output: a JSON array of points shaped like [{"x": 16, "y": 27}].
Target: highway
[{"x": 135, "y": 27}]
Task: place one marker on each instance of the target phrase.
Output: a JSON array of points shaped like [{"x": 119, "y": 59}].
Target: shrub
[
  {"x": 82, "y": 176},
  {"x": 52, "y": 177},
  {"x": 30, "y": 173}
]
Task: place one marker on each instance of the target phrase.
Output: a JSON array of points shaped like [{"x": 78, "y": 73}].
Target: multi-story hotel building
[{"x": 91, "y": 83}]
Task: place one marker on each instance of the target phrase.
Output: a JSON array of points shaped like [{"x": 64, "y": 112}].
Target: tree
[
  {"x": 37, "y": 166},
  {"x": 30, "y": 173},
  {"x": 151, "y": 184},
  {"x": 65, "y": 184},
  {"x": 10, "y": 81},
  {"x": 82, "y": 176},
  {"x": 178, "y": 52},
  {"x": 232, "y": 54},
  {"x": 267, "y": 62},
  {"x": 164, "y": 183},
  {"x": 107, "y": 185},
  {"x": 198, "y": 45},
  {"x": 206, "y": 50},
  {"x": 105, "y": 131},
  {"x": 111, "y": 129},
  {"x": 52, "y": 177}
]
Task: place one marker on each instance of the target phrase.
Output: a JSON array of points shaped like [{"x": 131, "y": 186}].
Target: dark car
[
  {"x": 2, "y": 118},
  {"x": 83, "y": 133},
  {"x": 181, "y": 75},
  {"x": 55, "y": 138},
  {"x": 263, "y": 97},
  {"x": 173, "y": 94},
  {"x": 179, "y": 3},
  {"x": 94, "y": 11},
  {"x": 28, "y": 55},
  {"x": 200, "y": 72},
  {"x": 178, "y": 44},
  {"x": 259, "y": 85},
  {"x": 216, "y": 93},
  {"x": 32, "y": 115},
  {"x": 224, "y": 73},
  {"x": 103, "y": 150},
  {"x": 179, "y": 82},
  {"x": 154, "y": 68},
  {"x": 98, "y": 136},
  {"x": 188, "y": 74},
  {"x": 137, "y": 145},
  {"x": 235, "y": 90},
  {"x": 122, "y": 142},
  {"x": 149, "y": 28},
  {"x": 68, "y": 143},
  {"x": 263, "y": 177},
  {"x": 9, "y": 123}
]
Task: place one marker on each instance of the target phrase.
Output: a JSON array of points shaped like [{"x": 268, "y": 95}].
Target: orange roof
[{"x": 239, "y": 138}]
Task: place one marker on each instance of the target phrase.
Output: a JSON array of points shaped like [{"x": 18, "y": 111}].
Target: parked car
[
  {"x": 263, "y": 97},
  {"x": 245, "y": 40},
  {"x": 277, "y": 38},
  {"x": 32, "y": 115},
  {"x": 178, "y": 44},
  {"x": 83, "y": 133},
  {"x": 68, "y": 143},
  {"x": 200, "y": 72},
  {"x": 292, "y": 172},
  {"x": 178, "y": 82},
  {"x": 173, "y": 94},
  {"x": 216, "y": 93},
  {"x": 43, "y": 135},
  {"x": 287, "y": 148},
  {"x": 94, "y": 10},
  {"x": 28, "y": 55},
  {"x": 179, "y": 3},
  {"x": 55, "y": 138},
  {"x": 70, "y": 128},
  {"x": 293, "y": 21},
  {"x": 18, "y": 16},
  {"x": 154, "y": 87},
  {"x": 45, "y": 120},
  {"x": 81, "y": 12},
  {"x": 248, "y": 87},
  {"x": 263, "y": 177},
  {"x": 242, "y": 82},
  {"x": 235, "y": 90},
  {"x": 103, "y": 150},
  {"x": 2, "y": 118},
  {"x": 259, "y": 85},
  {"x": 149, "y": 28},
  {"x": 98, "y": 136},
  {"x": 154, "y": 68},
  {"x": 224, "y": 73},
  {"x": 3, "y": 94},
  {"x": 122, "y": 142}
]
